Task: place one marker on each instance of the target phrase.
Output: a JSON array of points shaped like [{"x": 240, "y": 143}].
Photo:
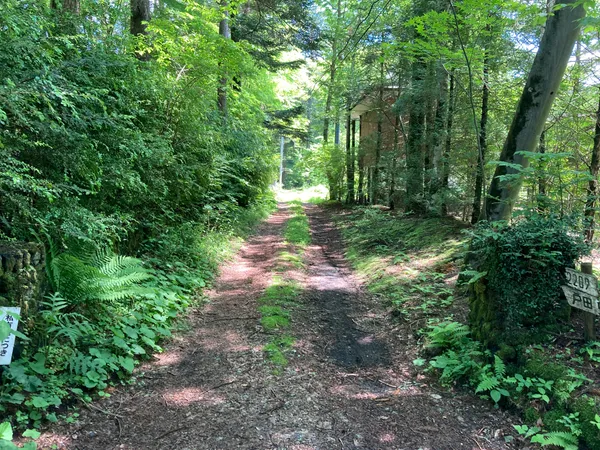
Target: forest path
[{"x": 349, "y": 383}]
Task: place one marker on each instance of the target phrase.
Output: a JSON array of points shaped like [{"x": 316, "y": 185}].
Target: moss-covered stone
[
  {"x": 588, "y": 408},
  {"x": 539, "y": 366},
  {"x": 552, "y": 417}
]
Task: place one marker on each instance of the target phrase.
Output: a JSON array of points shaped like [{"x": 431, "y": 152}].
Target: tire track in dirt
[{"x": 350, "y": 383}]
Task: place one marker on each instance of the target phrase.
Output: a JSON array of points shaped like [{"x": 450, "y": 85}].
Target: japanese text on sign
[
  {"x": 7, "y": 345},
  {"x": 581, "y": 300}
]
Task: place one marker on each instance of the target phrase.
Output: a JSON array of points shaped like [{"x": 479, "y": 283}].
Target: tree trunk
[
  {"x": 140, "y": 13},
  {"x": 485, "y": 95},
  {"x": 395, "y": 151},
  {"x": 542, "y": 199},
  {"x": 224, "y": 31},
  {"x": 350, "y": 156},
  {"x": 361, "y": 167},
  {"x": 332, "y": 74},
  {"x": 556, "y": 46},
  {"x": 414, "y": 151},
  {"x": 430, "y": 110},
  {"x": 71, "y": 6},
  {"x": 441, "y": 115},
  {"x": 67, "y": 10},
  {"x": 448, "y": 146},
  {"x": 379, "y": 143},
  {"x": 592, "y": 191}
]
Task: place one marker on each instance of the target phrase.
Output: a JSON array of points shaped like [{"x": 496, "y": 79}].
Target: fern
[
  {"x": 487, "y": 384},
  {"x": 80, "y": 364},
  {"x": 70, "y": 325},
  {"x": 102, "y": 277},
  {"x": 499, "y": 367},
  {"x": 447, "y": 335},
  {"x": 562, "y": 439}
]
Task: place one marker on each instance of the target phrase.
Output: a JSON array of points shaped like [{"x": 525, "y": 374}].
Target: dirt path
[{"x": 350, "y": 382}]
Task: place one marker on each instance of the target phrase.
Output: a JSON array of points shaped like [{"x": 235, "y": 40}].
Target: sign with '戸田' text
[
  {"x": 582, "y": 291},
  {"x": 7, "y": 345}
]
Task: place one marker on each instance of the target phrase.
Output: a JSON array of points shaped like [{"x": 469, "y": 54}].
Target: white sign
[
  {"x": 581, "y": 300},
  {"x": 582, "y": 282},
  {"x": 7, "y": 345}
]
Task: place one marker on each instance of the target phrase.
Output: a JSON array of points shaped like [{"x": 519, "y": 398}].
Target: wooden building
[{"x": 380, "y": 142}]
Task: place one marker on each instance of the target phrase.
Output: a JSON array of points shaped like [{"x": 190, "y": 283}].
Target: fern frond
[
  {"x": 562, "y": 439},
  {"x": 487, "y": 384},
  {"x": 499, "y": 367},
  {"x": 79, "y": 364},
  {"x": 105, "y": 277}
]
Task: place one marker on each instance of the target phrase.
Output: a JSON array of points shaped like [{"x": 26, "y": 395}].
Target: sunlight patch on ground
[
  {"x": 387, "y": 438},
  {"x": 303, "y": 195},
  {"x": 168, "y": 359},
  {"x": 224, "y": 340},
  {"x": 191, "y": 395}
]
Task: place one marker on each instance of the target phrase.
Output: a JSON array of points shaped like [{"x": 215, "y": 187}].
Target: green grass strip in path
[
  {"x": 297, "y": 231},
  {"x": 278, "y": 299}
]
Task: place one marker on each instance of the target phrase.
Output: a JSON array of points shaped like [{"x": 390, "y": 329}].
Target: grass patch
[
  {"x": 297, "y": 231},
  {"x": 282, "y": 293},
  {"x": 274, "y": 317},
  {"x": 278, "y": 298},
  {"x": 276, "y": 350},
  {"x": 405, "y": 260},
  {"x": 289, "y": 260}
]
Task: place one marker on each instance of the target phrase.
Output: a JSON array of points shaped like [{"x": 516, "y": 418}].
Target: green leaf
[
  {"x": 33, "y": 434},
  {"x": 5, "y": 330},
  {"x": 39, "y": 402},
  {"x": 419, "y": 362},
  {"x": 38, "y": 365},
  {"x": 127, "y": 363},
  {"x": 496, "y": 395},
  {"x": 6, "y": 431}
]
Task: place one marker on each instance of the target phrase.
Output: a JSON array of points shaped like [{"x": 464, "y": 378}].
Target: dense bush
[
  {"x": 105, "y": 155},
  {"x": 548, "y": 393},
  {"x": 96, "y": 145},
  {"x": 519, "y": 269}
]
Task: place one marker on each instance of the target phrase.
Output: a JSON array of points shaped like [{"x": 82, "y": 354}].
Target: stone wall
[{"x": 22, "y": 276}]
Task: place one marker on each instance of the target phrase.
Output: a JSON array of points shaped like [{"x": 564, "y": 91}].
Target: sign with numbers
[
  {"x": 8, "y": 344},
  {"x": 581, "y": 300},
  {"x": 582, "y": 282}
]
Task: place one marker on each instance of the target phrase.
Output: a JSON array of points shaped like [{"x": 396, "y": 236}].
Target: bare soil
[{"x": 350, "y": 382}]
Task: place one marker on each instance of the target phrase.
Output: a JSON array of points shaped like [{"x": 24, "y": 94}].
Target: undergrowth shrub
[
  {"x": 104, "y": 313},
  {"x": 371, "y": 229},
  {"x": 546, "y": 392},
  {"x": 517, "y": 273}
]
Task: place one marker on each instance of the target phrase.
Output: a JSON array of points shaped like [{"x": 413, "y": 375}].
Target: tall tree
[
  {"x": 592, "y": 190},
  {"x": 445, "y": 172},
  {"x": 556, "y": 46},
  {"x": 225, "y": 31},
  {"x": 333, "y": 67},
  {"x": 485, "y": 95}
]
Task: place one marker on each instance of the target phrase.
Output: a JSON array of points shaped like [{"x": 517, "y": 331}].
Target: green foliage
[
  {"x": 277, "y": 348},
  {"x": 113, "y": 311},
  {"x": 100, "y": 147},
  {"x": 523, "y": 265},
  {"x": 555, "y": 401},
  {"x": 447, "y": 335},
  {"x": 297, "y": 231},
  {"x": 103, "y": 277}
]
